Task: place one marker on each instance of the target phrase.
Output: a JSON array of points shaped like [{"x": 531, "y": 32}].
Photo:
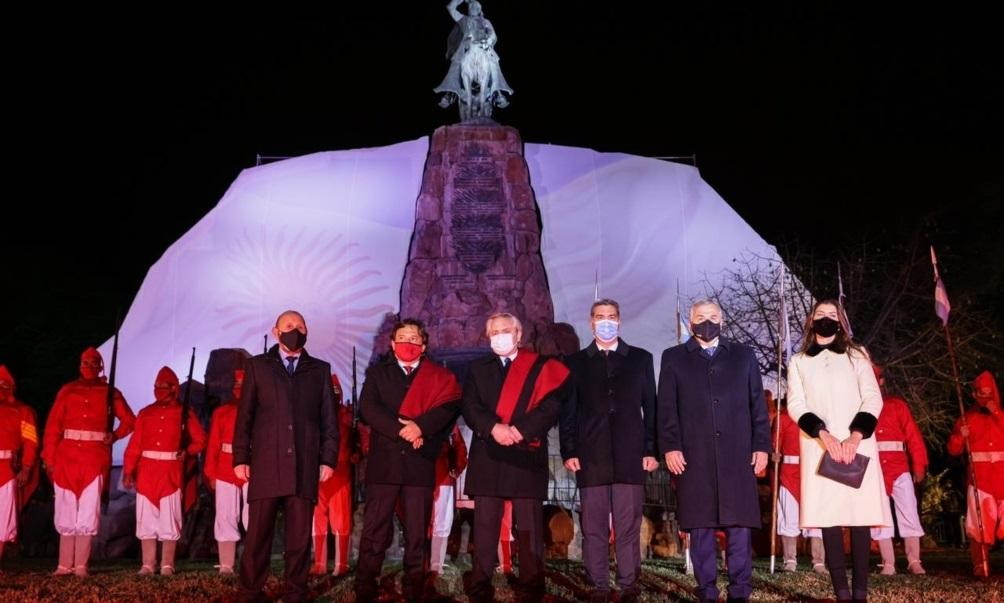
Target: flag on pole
[
  {"x": 941, "y": 305},
  {"x": 841, "y": 299}
]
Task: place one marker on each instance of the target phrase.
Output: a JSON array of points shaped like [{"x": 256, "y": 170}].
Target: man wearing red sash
[
  {"x": 77, "y": 456},
  {"x": 231, "y": 491},
  {"x": 154, "y": 463},
  {"x": 511, "y": 400},
  {"x": 18, "y": 448},
  {"x": 410, "y": 404},
  {"x": 334, "y": 498}
]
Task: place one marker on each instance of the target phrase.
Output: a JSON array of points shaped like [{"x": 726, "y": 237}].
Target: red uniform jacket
[
  {"x": 986, "y": 434},
  {"x": 452, "y": 457},
  {"x": 82, "y": 405},
  {"x": 158, "y": 427},
  {"x": 790, "y": 477},
  {"x": 895, "y": 424},
  {"x": 219, "y": 463},
  {"x": 343, "y": 470},
  {"x": 18, "y": 433}
]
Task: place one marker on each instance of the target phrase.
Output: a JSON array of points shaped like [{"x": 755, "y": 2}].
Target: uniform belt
[
  {"x": 889, "y": 446},
  {"x": 6, "y": 454},
  {"x": 160, "y": 455},
  {"x": 228, "y": 448},
  {"x": 84, "y": 435},
  {"x": 790, "y": 459},
  {"x": 988, "y": 457}
]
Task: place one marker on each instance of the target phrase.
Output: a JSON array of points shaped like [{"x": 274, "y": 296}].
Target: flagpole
[
  {"x": 679, "y": 332},
  {"x": 940, "y": 286},
  {"x": 782, "y": 318},
  {"x": 687, "y": 562}
]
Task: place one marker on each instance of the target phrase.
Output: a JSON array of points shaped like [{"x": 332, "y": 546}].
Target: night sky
[{"x": 815, "y": 124}]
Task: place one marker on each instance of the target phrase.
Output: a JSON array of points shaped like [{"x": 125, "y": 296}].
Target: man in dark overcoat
[
  {"x": 285, "y": 440},
  {"x": 714, "y": 431},
  {"x": 410, "y": 404},
  {"x": 608, "y": 441},
  {"x": 511, "y": 399}
]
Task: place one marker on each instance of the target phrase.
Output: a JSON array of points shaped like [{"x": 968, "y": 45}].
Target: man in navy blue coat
[
  {"x": 714, "y": 432},
  {"x": 607, "y": 429}
]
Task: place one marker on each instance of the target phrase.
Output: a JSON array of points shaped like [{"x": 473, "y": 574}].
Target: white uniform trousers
[
  {"x": 993, "y": 517},
  {"x": 163, "y": 523},
  {"x": 904, "y": 500},
  {"x": 8, "y": 511},
  {"x": 79, "y": 516},
  {"x": 231, "y": 507},
  {"x": 787, "y": 517}
]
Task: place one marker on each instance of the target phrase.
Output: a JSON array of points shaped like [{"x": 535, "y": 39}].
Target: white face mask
[
  {"x": 606, "y": 330},
  {"x": 503, "y": 344}
]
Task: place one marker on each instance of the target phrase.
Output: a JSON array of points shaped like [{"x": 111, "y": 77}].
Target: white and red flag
[{"x": 941, "y": 305}]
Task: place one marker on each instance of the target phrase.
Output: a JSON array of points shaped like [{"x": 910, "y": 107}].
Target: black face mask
[
  {"x": 825, "y": 326},
  {"x": 293, "y": 340},
  {"x": 706, "y": 331}
]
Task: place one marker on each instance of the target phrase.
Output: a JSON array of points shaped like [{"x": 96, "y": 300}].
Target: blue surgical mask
[{"x": 606, "y": 330}]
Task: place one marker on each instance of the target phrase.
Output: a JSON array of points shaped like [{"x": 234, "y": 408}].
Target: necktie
[
  {"x": 709, "y": 351},
  {"x": 408, "y": 368},
  {"x": 505, "y": 363},
  {"x": 290, "y": 366},
  {"x": 606, "y": 353}
]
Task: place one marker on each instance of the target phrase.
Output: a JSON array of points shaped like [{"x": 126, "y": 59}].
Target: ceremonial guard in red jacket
[
  {"x": 334, "y": 498},
  {"x": 984, "y": 424},
  {"x": 787, "y": 501},
  {"x": 77, "y": 456},
  {"x": 18, "y": 449},
  {"x": 154, "y": 461},
  {"x": 231, "y": 491},
  {"x": 452, "y": 460},
  {"x": 897, "y": 435}
]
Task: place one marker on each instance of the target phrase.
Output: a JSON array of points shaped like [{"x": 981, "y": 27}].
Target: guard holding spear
[
  {"x": 154, "y": 462},
  {"x": 77, "y": 454},
  {"x": 983, "y": 450}
]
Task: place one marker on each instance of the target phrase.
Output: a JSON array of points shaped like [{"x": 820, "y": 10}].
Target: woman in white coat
[{"x": 835, "y": 399}]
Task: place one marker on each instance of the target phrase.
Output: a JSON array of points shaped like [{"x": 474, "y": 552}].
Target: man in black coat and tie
[
  {"x": 713, "y": 428},
  {"x": 511, "y": 400},
  {"x": 410, "y": 404},
  {"x": 608, "y": 441},
  {"x": 285, "y": 438}
]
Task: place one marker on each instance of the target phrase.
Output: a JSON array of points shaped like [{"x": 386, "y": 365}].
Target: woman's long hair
[{"x": 842, "y": 338}]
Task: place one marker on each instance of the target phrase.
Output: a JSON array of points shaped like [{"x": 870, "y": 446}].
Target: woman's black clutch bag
[{"x": 849, "y": 474}]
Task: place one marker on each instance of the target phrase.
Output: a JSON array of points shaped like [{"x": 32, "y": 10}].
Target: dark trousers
[
  {"x": 254, "y": 566},
  {"x": 378, "y": 532},
  {"x": 623, "y": 501},
  {"x": 528, "y": 526},
  {"x": 836, "y": 562},
  {"x": 739, "y": 556}
]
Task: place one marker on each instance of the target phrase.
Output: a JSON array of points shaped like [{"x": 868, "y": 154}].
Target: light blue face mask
[{"x": 606, "y": 330}]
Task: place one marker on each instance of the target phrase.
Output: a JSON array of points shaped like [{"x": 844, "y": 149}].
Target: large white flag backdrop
[{"x": 328, "y": 234}]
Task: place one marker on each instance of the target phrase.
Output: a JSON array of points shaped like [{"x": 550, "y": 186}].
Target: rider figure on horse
[{"x": 473, "y": 38}]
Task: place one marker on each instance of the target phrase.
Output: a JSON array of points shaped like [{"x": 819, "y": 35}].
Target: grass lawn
[{"x": 948, "y": 579}]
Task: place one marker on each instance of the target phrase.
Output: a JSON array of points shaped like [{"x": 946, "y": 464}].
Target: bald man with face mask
[{"x": 285, "y": 442}]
